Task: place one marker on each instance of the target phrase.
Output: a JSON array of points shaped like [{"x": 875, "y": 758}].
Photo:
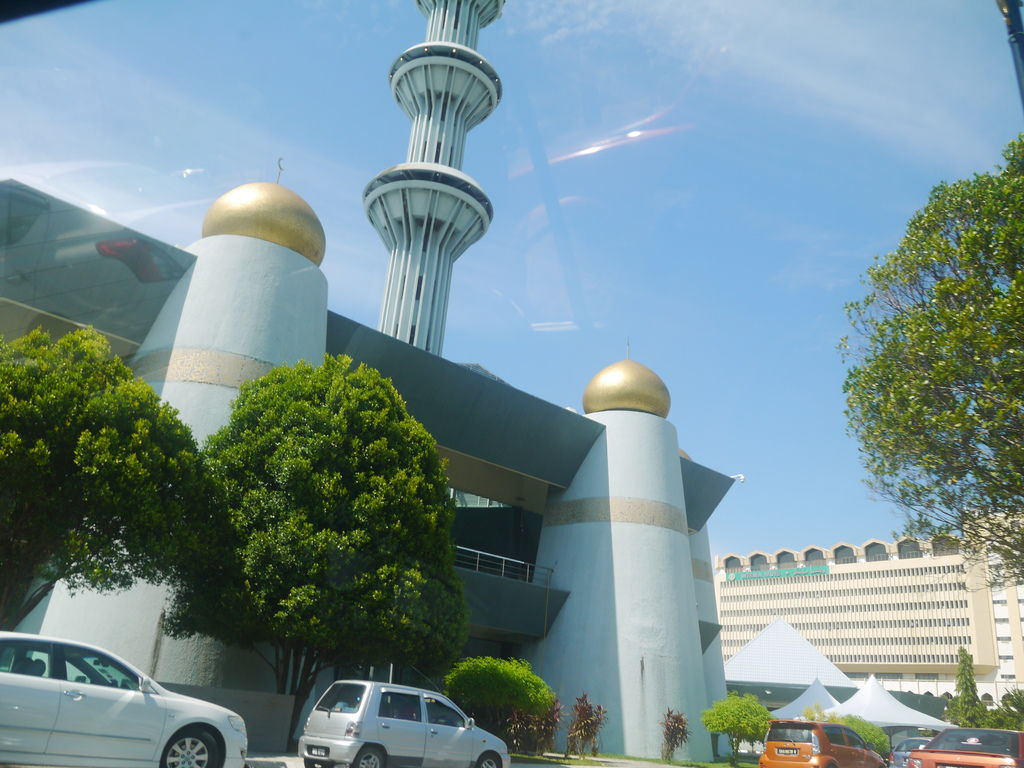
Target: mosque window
[
  {"x": 944, "y": 546},
  {"x": 875, "y": 552},
  {"x": 907, "y": 549},
  {"x": 844, "y": 554}
]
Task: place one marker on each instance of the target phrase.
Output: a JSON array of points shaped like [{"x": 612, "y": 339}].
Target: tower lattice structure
[{"x": 426, "y": 210}]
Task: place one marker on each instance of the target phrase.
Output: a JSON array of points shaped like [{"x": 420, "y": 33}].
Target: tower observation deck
[{"x": 426, "y": 210}]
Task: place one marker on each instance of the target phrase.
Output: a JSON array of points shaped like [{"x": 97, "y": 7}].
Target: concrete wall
[{"x": 704, "y": 587}]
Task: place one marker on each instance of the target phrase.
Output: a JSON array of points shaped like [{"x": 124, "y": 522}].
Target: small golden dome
[
  {"x": 627, "y": 386},
  {"x": 268, "y": 212}
]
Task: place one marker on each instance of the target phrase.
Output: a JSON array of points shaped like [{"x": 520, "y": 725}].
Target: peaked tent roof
[
  {"x": 878, "y": 706},
  {"x": 815, "y": 696},
  {"x": 780, "y": 654}
]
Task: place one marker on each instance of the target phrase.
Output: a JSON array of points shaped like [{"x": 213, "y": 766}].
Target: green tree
[
  {"x": 740, "y": 718},
  {"x": 815, "y": 713},
  {"x": 101, "y": 484},
  {"x": 493, "y": 690},
  {"x": 936, "y": 390},
  {"x": 342, "y": 549},
  {"x": 1010, "y": 714},
  {"x": 965, "y": 708}
]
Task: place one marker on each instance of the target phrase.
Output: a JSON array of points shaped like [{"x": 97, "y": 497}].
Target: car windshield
[
  {"x": 908, "y": 744},
  {"x": 977, "y": 740},
  {"x": 789, "y": 732},
  {"x": 342, "y": 697}
]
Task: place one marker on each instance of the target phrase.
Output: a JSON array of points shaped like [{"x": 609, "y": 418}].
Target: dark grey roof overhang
[
  {"x": 703, "y": 490},
  {"x": 509, "y": 610},
  {"x": 495, "y": 436}
]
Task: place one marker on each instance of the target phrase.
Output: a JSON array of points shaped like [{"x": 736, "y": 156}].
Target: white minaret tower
[
  {"x": 255, "y": 298},
  {"x": 426, "y": 210},
  {"x": 617, "y": 539}
]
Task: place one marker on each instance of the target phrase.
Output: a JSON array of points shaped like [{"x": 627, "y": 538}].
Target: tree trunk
[{"x": 302, "y": 687}]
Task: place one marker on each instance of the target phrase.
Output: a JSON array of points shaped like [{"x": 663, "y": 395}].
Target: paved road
[{"x": 290, "y": 761}]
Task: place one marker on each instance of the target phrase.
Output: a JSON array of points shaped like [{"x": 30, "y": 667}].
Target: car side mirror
[
  {"x": 146, "y": 685},
  {"x": 470, "y": 723}
]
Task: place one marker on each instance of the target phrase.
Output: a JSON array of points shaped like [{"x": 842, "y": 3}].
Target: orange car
[
  {"x": 806, "y": 744},
  {"x": 970, "y": 747}
]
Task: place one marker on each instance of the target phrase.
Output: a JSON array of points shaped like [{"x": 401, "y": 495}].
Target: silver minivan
[{"x": 366, "y": 724}]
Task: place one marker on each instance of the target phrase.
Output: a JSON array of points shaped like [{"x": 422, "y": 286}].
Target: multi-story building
[{"x": 898, "y": 610}]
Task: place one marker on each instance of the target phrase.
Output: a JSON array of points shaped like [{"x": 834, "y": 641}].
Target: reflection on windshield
[{"x": 60, "y": 264}]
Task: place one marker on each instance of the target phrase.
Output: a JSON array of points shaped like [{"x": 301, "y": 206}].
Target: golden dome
[
  {"x": 268, "y": 212},
  {"x": 627, "y": 386}
]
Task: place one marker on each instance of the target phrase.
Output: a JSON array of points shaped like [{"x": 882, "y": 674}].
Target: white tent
[
  {"x": 816, "y": 695},
  {"x": 878, "y": 706},
  {"x": 780, "y": 654}
]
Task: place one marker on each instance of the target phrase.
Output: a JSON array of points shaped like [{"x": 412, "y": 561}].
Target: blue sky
[{"x": 708, "y": 179}]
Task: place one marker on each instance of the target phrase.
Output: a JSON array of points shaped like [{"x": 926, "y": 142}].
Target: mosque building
[{"x": 581, "y": 539}]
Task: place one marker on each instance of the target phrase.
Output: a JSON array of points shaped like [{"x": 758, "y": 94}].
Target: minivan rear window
[
  {"x": 789, "y": 733},
  {"x": 342, "y": 697},
  {"x": 977, "y": 740}
]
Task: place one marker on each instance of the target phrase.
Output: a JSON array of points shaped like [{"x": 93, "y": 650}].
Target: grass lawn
[
  {"x": 719, "y": 764},
  {"x": 561, "y": 760}
]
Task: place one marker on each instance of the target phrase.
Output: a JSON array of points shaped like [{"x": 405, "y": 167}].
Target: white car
[
  {"x": 64, "y": 703},
  {"x": 366, "y": 724}
]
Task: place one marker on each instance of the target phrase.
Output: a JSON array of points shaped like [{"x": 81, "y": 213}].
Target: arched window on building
[
  {"x": 733, "y": 564},
  {"x": 947, "y": 695},
  {"x": 785, "y": 559},
  {"x": 875, "y": 551},
  {"x": 758, "y": 563},
  {"x": 986, "y": 699},
  {"x": 907, "y": 549},
  {"x": 945, "y": 545},
  {"x": 844, "y": 554},
  {"x": 813, "y": 555}
]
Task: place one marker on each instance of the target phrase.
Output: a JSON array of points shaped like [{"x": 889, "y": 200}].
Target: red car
[{"x": 971, "y": 748}]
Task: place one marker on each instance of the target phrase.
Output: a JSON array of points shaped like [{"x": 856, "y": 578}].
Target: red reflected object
[{"x": 142, "y": 257}]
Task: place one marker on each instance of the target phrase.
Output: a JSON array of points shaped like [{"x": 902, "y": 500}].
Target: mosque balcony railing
[{"x": 505, "y": 567}]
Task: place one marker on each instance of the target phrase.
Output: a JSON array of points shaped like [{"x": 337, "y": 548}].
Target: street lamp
[{"x": 1011, "y": 13}]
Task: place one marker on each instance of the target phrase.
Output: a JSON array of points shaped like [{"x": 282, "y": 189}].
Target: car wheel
[
  {"x": 191, "y": 748},
  {"x": 370, "y": 757},
  {"x": 488, "y": 760}
]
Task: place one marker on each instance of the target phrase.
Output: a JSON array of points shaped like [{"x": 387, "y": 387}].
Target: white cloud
[{"x": 901, "y": 73}]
